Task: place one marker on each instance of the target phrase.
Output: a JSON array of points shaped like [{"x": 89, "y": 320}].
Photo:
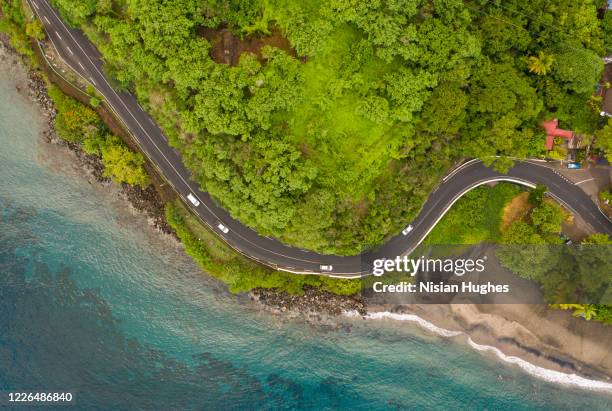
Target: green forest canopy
[{"x": 335, "y": 144}]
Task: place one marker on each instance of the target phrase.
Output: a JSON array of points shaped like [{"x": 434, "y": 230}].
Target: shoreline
[
  {"x": 539, "y": 364},
  {"x": 146, "y": 201},
  {"x": 315, "y": 303},
  {"x": 538, "y": 369}
]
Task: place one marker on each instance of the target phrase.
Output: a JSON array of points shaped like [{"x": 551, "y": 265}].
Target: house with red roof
[{"x": 552, "y": 130}]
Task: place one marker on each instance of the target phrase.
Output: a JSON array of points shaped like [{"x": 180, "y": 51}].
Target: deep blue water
[{"x": 93, "y": 301}]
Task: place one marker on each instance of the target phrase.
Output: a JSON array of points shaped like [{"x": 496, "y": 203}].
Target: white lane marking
[
  {"x": 151, "y": 139},
  {"x": 69, "y": 51},
  {"x": 584, "y": 181},
  {"x": 35, "y": 6},
  {"x": 80, "y": 65},
  {"x": 58, "y": 35},
  {"x": 92, "y": 81},
  {"x": 459, "y": 168},
  {"x": 47, "y": 20},
  {"x": 185, "y": 182}
]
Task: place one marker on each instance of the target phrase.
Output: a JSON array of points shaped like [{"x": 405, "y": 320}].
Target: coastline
[
  {"x": 147, "y": 201},
  {"x": 545, "y": 341}
]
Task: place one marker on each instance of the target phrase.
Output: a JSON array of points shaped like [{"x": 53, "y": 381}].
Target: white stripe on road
[
  {"x": 47, "y": 20},
  {"x": 92, "y": 81},
  {"x": 35, "y": 6},
  {"x": 69, "y": 51},
  {"x": 81, "y": 65},
  {"x": 55, "y": 16},
  {"x": 58, "y": 35},
  {"x": 584, "y": 181}
]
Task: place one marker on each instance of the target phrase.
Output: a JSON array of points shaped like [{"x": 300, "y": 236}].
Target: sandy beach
[{"x": 545, "y": 337}]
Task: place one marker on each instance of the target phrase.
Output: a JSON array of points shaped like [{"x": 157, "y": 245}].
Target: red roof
[{"x": 550, "y": 126}]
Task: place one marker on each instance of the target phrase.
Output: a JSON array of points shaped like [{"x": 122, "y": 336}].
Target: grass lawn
[
  {"x": 328, "y": 125},
  {"x": 476, "y": 217}
]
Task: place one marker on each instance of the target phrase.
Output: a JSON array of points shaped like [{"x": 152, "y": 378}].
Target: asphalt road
[{"x": 76, "y": 50}]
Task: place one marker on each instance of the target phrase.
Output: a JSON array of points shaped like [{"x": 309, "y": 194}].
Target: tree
[
  {"x": 586, "y": 311},
  {"x": 547, "y": 217},
  {"x": 525, "y": 252},
  {"x": 35, "y": 30},
  {"x": 74, "y": 122},
  {"x": 536, "y": 195},
  {"x": 365, "y": 104},
  {"x": 122, "y": 164},
  {"x": 540, "y": 64},
  {"x": 597, "y": 239},
  {"x": 603, "y": 138},
  {"x": 76, "y": 11},
  {"x": 607, "y": 29},
  {"x": 579, "y": 69}
]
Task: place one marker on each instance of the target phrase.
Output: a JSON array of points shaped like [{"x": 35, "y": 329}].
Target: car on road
[
  {"x": 193, "y": 200},
  {"x": 408, "y": 229},
  {"x": 573, "y": 165},
  {"x": 223, "y": 228},
  {"x": 326, "y": 267}
]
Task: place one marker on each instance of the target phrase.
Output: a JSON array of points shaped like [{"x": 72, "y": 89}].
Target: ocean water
[{"x": 94, "y": 302}]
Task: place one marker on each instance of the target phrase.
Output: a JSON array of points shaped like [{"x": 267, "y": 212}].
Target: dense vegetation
[
  {"x": 279, "y": 164},
  {"x": 79, "y": 124},
  {"x": 75, "y": 122},
  {"x": 532, "y": 248},
  {"x": 334, "y": 144},
  {"x": 13, "y": 23}
]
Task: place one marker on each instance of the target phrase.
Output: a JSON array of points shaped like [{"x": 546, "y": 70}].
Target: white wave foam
[{"x": 532, "y": 369}]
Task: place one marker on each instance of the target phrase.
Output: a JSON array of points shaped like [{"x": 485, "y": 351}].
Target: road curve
[{"x": 82, "y": 57}]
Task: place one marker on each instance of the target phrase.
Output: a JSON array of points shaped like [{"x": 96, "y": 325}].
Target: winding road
[{"x": 84, "y": 59}]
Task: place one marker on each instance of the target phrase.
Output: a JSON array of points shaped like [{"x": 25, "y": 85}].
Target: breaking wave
[{"x": 532, "y": 369}]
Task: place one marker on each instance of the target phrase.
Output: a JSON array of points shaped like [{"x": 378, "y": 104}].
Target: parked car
[
  {"x": 408, "y": 229},
  {"x": 193, "y": 200},
  {"x": 223, "y": 228},
  {"x": 574, "y": 165},
  {"x": 326, "y": 267}
]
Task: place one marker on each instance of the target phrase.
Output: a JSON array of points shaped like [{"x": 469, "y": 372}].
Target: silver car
[{"x": 193, "y": 199}]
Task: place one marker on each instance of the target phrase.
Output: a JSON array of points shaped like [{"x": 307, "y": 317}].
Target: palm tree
[
  {"x": 587, "y": 311},
  {"x": 540, "y": 64}
]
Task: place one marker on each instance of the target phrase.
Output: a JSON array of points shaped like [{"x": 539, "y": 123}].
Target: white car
[
  {"x": 408, "y": 229},
  {"x": 223, "y": 228},
  {"x": 326, "y": 267},
  {"x": 193, "y": 200}
]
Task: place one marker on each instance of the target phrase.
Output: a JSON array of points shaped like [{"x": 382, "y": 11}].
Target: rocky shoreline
[
  {"x": 312, "y": 303},
  {"x": 148, "y": 201},
  {"x": 145, "y": 200}
]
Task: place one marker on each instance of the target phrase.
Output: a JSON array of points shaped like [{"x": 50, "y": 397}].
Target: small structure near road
[{"x": 552, "y": 131}]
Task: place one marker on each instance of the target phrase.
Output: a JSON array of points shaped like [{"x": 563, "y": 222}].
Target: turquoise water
[{"x": 93, "y": 301}]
